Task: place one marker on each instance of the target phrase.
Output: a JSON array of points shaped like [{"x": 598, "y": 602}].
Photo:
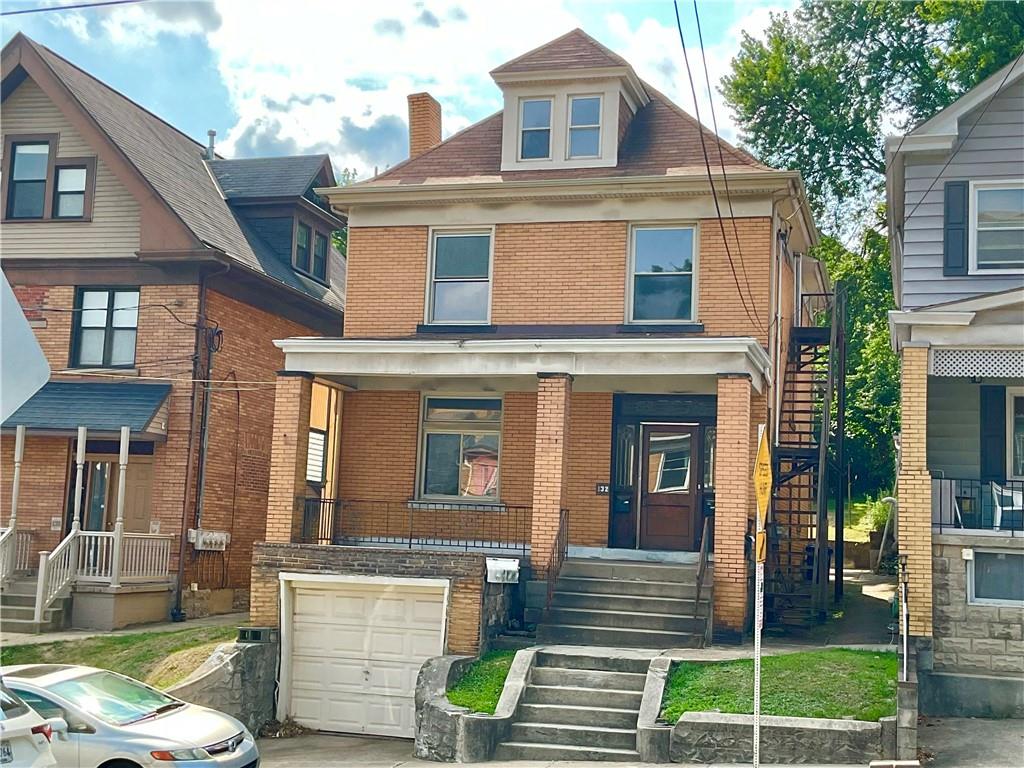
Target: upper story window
[
  {"x": 460, "y": 278},
  {"x": 998, "y": 222},
  {"x": 459, "y": 455},
  {"x": 69, "y": 192},
  {"x": 320, "y": 251},
  {"x": 535, "y": 129},
  {"x": 106, "y": 323},
  {"x": 26, "y": 195},
  {"x": 302, "y": 236},
  {"x": 662, "y": 274},
  {"x": 584, "y": 126}
]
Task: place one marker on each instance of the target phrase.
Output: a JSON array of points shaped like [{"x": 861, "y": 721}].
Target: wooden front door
[{"x": 668, "y": 486}]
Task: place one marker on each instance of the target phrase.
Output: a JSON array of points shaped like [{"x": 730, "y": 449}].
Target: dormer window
[
  {"x": 302, "y": 235},
  {"x": 535, "y": 127},
  {"x": 584, "y": 126}
]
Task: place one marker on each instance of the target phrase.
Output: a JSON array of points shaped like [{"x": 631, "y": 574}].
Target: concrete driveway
[
  {"x": 967, "y": 742},
  {"x": 321, "y": 750}
]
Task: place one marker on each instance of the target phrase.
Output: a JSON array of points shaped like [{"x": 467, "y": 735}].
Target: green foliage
[
  {"x": 136, "y": 655},
  {"x": 833, "y": 683},
  {"x": 480, "y": 687},
  {"x": 872, "y": 368},
  {"x": 818, "y": 93}
]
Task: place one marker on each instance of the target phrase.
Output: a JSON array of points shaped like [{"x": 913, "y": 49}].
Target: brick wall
[
  {"x": 44, "y": 470},
  {"x": 288, "y": 458},
  {"x": 464, "y": 570},
  {"x": 734, "y": 503},
  {"x": 563, "y": 273},
  {"x": 550, "y": 463},
  {"x": 590, "y": 458},
  {"x": 424, "y": 123},
  {"x": 914, "y": 488}
]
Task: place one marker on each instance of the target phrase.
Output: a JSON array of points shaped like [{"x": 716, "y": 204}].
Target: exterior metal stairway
[{"x": 809, "y": 447}]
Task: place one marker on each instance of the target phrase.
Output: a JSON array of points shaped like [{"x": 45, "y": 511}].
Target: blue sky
[{"x": 276, "y": 77}]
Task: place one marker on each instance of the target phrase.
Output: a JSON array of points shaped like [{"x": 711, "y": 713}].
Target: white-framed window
[
  {"x": 535, "y": 129},
  {"x": 995, "y": 577},
  {"x": 584, "y": 127},
  {"x": 460, "y": 448},
  {"x": 1015, "y": 433},
  {"x": 460, "y": 277},
  {"x": 662, "y": 276},
  {"x": 997, "y": 226}
]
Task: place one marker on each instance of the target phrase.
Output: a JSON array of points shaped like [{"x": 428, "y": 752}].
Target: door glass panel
[
  {"x": 96, "y": 501},
  {"x": 668, "y": 462}
]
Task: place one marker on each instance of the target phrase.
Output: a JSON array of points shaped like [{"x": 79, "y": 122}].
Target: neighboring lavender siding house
[{"x": 955, "y": 192}]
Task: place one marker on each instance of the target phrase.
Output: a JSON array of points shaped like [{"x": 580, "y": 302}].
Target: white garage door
[{"x": 356, "y": 651}]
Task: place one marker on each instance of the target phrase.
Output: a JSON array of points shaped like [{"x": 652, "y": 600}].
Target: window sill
[
  {"x": 50, "y": 220},
  {"x": 481, "y": 506},
  {"x": 662, "y": 328}
]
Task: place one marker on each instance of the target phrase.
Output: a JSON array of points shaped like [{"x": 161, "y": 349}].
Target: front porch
[{"x": 527, "y": 449}]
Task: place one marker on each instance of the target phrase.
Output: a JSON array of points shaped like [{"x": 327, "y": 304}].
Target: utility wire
[
  {"x": 721, "y": 160},
  {"x": 74, "y": 7},
  {"x": 707, "y": 164},
  {"x": 953, "y": 154}
]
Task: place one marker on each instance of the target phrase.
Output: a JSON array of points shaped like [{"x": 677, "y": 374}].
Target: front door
[{"x": 668, "y": 487}]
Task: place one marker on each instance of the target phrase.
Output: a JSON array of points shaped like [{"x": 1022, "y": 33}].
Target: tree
[
  {"x": 818, "y": 93},
  {"x": 340, "y": 236}
]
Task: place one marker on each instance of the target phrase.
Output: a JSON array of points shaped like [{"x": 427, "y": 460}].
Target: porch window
[
  {"x": 460, "y": 278},
  {"x": 998, "y": 219},
  {"x": 996, "y": 577},
  {"x": 1015, "y": 432},
  {"x": 460, "y": 451},
  {"x": 535, "y": 129},
  {"x": 106, "y": 323},
  {"x": 662, "y": 278}
]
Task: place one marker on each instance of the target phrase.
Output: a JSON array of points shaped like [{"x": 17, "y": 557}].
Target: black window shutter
[
  {"x": 955, "y": 208},
  {"x": 993, "y": 433}
]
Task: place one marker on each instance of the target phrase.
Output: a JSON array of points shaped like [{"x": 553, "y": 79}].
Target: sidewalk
[{"x": 20, "y": 638}]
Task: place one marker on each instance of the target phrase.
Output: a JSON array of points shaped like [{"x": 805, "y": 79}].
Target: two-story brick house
[
  {"x": 156, "y": 276},
  {"x": 554, "y": 347},
  {"x": 956, "y": 216}
]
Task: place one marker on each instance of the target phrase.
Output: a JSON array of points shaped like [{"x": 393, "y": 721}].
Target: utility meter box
[
  {"x": 209, "y": 541},
  {"x": 502, "y": 570}
]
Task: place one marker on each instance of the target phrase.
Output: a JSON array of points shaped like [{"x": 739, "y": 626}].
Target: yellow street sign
[
  {"x": 763, "y": 476},
  {"x": 761, "y": 546}
]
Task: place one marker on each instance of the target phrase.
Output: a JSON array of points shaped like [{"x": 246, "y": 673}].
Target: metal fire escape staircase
[{"x": 808, "y": 450}]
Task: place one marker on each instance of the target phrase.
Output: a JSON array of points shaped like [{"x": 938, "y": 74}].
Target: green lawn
[
  {"x": 158, "y": 658},
  {"x": 480, "y": 687},
  {"x": 833, "y": 683}
]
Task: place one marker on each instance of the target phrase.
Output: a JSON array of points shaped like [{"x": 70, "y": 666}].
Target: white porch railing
[
  {"x": 56, "y": 572},
  {"x": 145, "y": 557},
  {"x": 15, "y": 551}
]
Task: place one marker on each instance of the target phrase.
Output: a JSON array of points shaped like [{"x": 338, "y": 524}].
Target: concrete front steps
[
  {"x": 18, "y": 606},
  {"x": 623, "y": 604},
  {"x": 578, "y": 707}
]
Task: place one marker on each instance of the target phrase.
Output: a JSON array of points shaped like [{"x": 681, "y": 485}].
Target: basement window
[{"x": 996, "y": 577}]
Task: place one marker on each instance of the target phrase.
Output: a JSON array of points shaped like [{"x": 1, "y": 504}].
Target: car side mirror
[{"x": 59, "y": 726}]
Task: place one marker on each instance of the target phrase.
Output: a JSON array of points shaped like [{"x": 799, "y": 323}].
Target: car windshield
[
  {"x": 112, "y": 698},
  {"x": 10, "y": 705}
]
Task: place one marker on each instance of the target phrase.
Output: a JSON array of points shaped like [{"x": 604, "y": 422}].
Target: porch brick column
[
  {"x": 288, "y": 456},
  {"x": 549, "y": 463},
  {"x": 914, "y": 488},
  {"x": 734, "y": 504}
]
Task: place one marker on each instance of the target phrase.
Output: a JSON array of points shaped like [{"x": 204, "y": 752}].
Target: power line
[
  {"x": 974, "y": 125},
  {"x": 707, "y": 165},
  {"x": 76, "y": 6},
  {"x": 721, "y": 160}
]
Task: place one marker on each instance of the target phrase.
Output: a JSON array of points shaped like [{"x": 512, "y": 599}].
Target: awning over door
[{"x": 60, "y": 407}]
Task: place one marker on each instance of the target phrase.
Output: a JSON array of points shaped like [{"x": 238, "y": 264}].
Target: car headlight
[{"x": 188, "y": 753}]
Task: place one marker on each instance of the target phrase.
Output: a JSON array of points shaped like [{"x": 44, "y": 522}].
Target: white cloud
[{"x": 333, "y": 77}]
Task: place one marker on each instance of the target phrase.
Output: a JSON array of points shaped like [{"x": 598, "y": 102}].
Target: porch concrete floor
[
  {"x": 318, "y": 750},
  {"x": 222, "y": 620},
  {"x": 967, "y": 742}
]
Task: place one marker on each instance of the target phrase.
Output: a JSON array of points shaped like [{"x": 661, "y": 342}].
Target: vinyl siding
[
  {"x": 114, "y": 229},
  {"x": 995, "y": 150},
  {"x": 954, "y": 435}
]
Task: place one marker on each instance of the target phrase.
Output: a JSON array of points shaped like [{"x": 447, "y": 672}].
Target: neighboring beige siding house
[{"x": 956, "y": 217}]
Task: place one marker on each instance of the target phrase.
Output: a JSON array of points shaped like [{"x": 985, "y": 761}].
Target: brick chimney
[{"x": 424, "y": 123}]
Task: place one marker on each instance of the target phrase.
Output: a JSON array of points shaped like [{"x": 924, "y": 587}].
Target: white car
[
  {"x": 111, "y": 718},
  {"x": 24, "y": 735}
]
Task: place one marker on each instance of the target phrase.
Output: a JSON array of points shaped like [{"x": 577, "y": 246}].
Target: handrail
[
  {"x": 8, "y": 554},
  {"x": 57, "y": 569},
  {"x": 558, "y": 552},
  {"x": 702, "y": 562}
]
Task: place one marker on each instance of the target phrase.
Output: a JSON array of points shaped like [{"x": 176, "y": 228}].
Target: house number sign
[{"x": 601, "y": 489}]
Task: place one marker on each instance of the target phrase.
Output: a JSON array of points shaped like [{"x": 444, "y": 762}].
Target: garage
[{"x": 355, "y": 647}]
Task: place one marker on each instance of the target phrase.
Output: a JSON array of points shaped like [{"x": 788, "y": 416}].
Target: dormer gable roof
[
  {"x": 262, "y": 177},
  {"x": 573, "y": 50}
]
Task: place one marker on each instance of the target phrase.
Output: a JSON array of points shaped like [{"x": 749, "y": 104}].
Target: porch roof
[
  {"x": 60, "y": 407},
  {"x": 668, "y": 359}
]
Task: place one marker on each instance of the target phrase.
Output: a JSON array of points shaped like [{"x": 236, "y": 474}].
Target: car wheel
[{"x": 120, "y": 764}]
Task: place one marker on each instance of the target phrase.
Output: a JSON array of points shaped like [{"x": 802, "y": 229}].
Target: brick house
[
  {"x": 956, "y": 205},
  {"x": 554, "y": 352},
  {"x": 155, "y": 275}
]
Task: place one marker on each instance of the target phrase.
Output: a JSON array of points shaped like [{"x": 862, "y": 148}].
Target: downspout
[
  {"x": 777, "y": 370},
  {"x": 177, "y": 614}
]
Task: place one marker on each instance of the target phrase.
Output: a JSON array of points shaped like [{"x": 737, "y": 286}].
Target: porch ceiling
[{"x": 668, "y": 365}]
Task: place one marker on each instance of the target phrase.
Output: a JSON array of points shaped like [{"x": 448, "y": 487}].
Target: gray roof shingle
[
  {"x": 267, "y": 176},
  {"x": 98, "y": 405}
]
